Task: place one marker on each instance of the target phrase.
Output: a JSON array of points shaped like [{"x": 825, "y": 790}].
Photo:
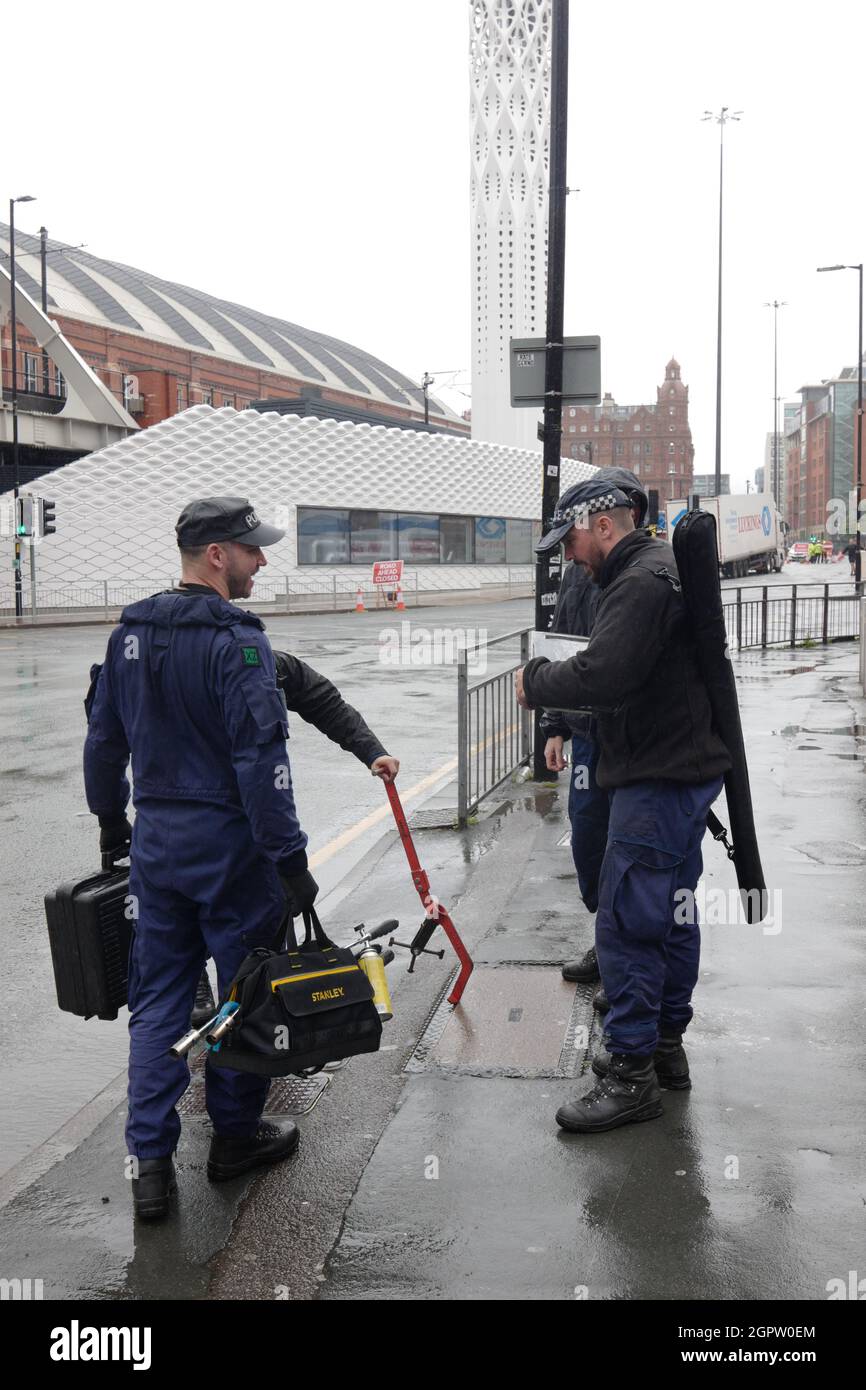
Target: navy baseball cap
[
  {"x": 223, "y": 519},
  {"x": 577, "y": 504}
]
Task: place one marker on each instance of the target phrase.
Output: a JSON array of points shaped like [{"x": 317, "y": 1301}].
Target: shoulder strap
[{"x": 661, "y": 572}]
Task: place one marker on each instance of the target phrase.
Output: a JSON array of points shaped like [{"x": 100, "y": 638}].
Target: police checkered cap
[
  {"x": 605, "y": 503},
  {"x": 577, "y": 504}
]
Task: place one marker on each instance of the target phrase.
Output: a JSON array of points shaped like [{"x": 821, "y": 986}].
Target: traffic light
[
  {"x": 24, "y": 516},
  {"x": 46, "y": 517}
]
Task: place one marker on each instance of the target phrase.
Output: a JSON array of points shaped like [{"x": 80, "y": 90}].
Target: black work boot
[
  {"x": 204, "y": 1007},
  {"x": 600, "y": 1001},
  {"x": 672, "y": 1064},
  {"x": 669, "y": 1059},
  {"x": 582, "y": 971},
  {"x": 271, "y": 1143},
  {"x": 151, "y": 1189},
  {"x": 628, "y": 1094}
]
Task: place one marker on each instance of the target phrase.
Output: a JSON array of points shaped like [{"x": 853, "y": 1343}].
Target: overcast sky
[{"x": 312, "y": 160}]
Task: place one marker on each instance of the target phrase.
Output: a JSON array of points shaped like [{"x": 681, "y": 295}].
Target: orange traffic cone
[
  {"x": 359, "y": 600},
  {"x": 401, "y": 607}
]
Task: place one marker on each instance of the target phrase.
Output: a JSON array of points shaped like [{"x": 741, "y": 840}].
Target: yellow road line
[
  {"x": 334, "y": 846},
  {"x": 340, "y": 842}
]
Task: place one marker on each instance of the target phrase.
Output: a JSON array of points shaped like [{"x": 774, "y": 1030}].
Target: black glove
[
  {"x": 115, "y": 836},
  {"x": 300, "y": 890}
]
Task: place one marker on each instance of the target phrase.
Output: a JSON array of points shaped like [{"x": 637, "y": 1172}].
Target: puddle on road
[
  {"x": 849, "y": 730},
  {"x": 774, "y": 673},
  {"x": 818, "y": 1160},
  {"x": 840, "y": 853}
]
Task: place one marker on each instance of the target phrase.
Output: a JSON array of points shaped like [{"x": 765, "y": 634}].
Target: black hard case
[{"x": 90, "y": 935}]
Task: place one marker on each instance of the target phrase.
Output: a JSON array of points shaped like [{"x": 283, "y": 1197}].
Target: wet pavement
[
  {"x": 53, "y": 1063},
  {"x": 435, "y": 1169}
]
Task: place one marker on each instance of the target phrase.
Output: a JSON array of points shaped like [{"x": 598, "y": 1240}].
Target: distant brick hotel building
[{"x": 653, "y": 441}]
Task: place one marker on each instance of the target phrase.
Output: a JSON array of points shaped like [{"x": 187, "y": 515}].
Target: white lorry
[{"x": 750, "y": 531}]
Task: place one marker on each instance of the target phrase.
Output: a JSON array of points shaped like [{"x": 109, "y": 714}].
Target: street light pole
[
  {"x": 725, "y": 115},
  {"x": 426, "y": 383},
  {"x": 19, "y": 606},
  {"x": 859, "y": 445},
  {"x": 776, "y": 305}
]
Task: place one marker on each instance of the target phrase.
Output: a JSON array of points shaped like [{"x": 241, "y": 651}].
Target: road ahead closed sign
[{"x": 387, "y": 571}]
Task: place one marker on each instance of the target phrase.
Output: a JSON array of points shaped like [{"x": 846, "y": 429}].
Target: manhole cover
[
  {"x": 443, "y": 819},
  {"x": 288, "y": 1095},
  {"x": 514, "y": 1019}
]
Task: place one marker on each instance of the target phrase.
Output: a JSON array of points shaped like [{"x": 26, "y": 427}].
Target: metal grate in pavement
[
  {"x": 516, "y": 1019},
  {"x": 443, "y": 819},
  {"x": 288, "y": 1095}
]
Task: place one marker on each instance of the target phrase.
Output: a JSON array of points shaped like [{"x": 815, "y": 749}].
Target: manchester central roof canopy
[{"x": 118, "y": 296}]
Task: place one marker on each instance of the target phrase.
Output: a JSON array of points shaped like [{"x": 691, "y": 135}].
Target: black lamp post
[
  {"x": 776, "y": 305},
  {"x": 25, "y": 198},
  {"x": 721, "y": 119},
  {"x": 426, "y": 383},
  {"x": 859, "y": 446}
]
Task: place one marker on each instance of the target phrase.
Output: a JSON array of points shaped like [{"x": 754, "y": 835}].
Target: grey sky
[{"x": 312, "y": 160}]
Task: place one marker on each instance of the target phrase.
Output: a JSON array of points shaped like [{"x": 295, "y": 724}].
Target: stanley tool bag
[{"x": 299, "y": 1008}]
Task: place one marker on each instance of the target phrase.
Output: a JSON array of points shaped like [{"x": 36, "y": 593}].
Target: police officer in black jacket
[
  {"x": 588, "y": 803},
  {"x": 663, "y": 762}
]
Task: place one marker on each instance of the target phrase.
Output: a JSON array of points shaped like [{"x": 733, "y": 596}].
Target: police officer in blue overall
[
  {"x": 663, "y": 762},
  {"x": 188, "y": 691},
  {"x": 588, "y": 803}
]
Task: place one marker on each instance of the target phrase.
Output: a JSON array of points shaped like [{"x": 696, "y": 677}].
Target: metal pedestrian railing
[
  {"x": 100, "y": 600},
  {"x": 756, "y": 617},
  {"x": 494, "y": 734}
]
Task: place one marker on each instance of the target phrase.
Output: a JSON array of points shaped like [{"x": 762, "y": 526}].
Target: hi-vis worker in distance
[{"x": 189, "y": 692}]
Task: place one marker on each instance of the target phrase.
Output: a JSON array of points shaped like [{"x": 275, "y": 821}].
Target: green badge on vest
[{"x": 251, "y": 656}]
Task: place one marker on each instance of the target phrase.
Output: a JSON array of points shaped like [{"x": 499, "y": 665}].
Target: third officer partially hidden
[{"x": 663, "y": 761}]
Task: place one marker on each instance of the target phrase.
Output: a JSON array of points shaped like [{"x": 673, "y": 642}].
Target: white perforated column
[{"x": 509, "y": 61}]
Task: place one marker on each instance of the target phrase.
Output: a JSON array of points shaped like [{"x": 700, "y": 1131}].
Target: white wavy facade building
[
  {"x": 509, "y": 65},
  {"x": 460, "y": 513}
]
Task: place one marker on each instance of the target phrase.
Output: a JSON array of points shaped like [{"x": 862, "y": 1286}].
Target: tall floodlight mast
[{"x": 509, "y": 64}]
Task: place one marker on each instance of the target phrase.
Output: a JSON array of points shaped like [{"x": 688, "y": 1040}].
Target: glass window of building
[
  {"x": 418, "y": 538},
  {"x": 455, "y": 540},
  {"x": 59, "y": 382},
  {"x": 374, "y": 536},
  {"x": 518, "y": 542},
  {"x": 490, "y": 540},
  {"x": 323, "y": 537},
  {"x": 31, "y": 371}
]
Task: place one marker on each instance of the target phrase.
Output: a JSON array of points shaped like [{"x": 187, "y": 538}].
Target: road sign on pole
[{"x": 581, "y": 371}]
